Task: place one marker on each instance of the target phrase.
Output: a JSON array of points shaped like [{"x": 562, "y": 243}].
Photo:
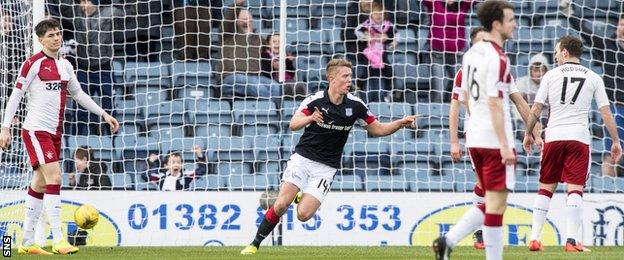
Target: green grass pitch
[{"x": 338, "y": 252}]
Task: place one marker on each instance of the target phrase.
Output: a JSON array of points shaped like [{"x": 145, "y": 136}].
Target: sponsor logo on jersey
[
  {"x": 516, "y": 226},
  {"x": 105, "y": 233}
]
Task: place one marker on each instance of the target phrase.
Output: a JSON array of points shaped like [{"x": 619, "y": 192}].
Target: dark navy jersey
[{"x": 325, "y": 142}]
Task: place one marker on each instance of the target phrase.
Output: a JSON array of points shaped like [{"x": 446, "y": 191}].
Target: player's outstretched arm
[
  {"x": 301, "y": 120},
  {"x": 456, "y": 152},
  {"x": 616, "y": 147},
  {"x": 382, "y": 129}
]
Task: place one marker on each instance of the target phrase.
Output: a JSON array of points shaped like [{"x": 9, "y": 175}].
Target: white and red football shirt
[
  {"x": 569, "y": 90},
  {"x": 485, "y": 74},
  {"x": 46, "y": 82}
]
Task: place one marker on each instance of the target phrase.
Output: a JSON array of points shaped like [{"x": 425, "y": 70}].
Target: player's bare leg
[
  {"x": 495, "y": 205},
  {"x": 307, "y": 207},
  {"x": 287, "y": 193},
  {"x": 574, "y": 211},
  {"x": 32, "y": 210},
  {"x": 540, "y": 210},
  {"x": 52, "y": 201}
]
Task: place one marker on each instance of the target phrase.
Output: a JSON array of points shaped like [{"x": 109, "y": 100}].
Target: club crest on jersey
[
  {"x": 348, "y": 111},
  {"x": 49, "y": 155}
]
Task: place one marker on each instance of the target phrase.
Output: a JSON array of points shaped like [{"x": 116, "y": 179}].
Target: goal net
[{"x": 201, "y": 78}]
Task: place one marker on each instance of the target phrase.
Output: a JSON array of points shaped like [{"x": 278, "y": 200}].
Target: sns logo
[
  {"x": 105, "y": 233},
  {"x": 516, "y": 226}
]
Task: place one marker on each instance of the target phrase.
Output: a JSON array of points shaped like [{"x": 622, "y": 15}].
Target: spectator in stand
[
  {"x": 174, "y": 177},
  {"x": 379, "y": 34},
  {"x": 529, "y": 84},
  {"x": 89, "y": 175},
  {"x": 94, "y": 35},
  {"x": 608, "y": 53},
  {"x": 241, "y": 49},
  {"x": 270, "y": 68},
  {"x": 13, "y": 48},
  {"x": 192, "y": 28},
  {"x": 447, "y": 41},
  {"x": 357, "y": 13}
]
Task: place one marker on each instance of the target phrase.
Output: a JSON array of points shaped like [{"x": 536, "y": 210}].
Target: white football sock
[
  {"x": 540, "y": 210},
  {"x": 32, "y": 210},
  {"x": 469, "y": 222},
  {"x": 493, "y": 239},
  {"x": 52, "y": 201},
  {"x": 574, "y": 210}
]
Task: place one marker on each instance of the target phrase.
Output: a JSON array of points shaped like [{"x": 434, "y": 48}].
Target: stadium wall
[{"x": 231, "y": 218}]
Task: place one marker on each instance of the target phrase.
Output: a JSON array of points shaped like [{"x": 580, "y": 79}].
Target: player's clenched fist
[
  {"x": 456, "y": 152},
  {"x": 509, "y": 158},
  {"x": 5, "y": 138},
  {"x": 317, "y": 116}
]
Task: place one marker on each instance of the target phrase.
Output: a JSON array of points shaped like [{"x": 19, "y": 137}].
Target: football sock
[
  {"x": 268, "y": 224},
  {"x": 469, "y": 222},
  {"x": 493, "y": 236},
  {"x": 478, "y": 195},
  {"x": 574, "y": 210},
  {"x": 540, "y": 210},
  {"x": 32, "y": 211},
  {"x": 52, "y": 201}
]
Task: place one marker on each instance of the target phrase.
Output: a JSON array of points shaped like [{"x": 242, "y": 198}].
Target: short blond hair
[{"x": 335, "y": 63}]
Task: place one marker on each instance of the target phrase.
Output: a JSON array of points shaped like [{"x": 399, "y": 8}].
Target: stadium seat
[
  {"x": 167, "y": 112},
  {"x": 166, "y": 133},
  {"x": 393, "y": 183},
  {"x": 147, "y": 74},
  {"x": 256, "y": 111},
  {"x": 128, "y": 110},
  {"x": 213, "y": 130},
  {"x": 229, "y": 149},
  {"x": 265, "y": 147},
  {"x": 101, "y": 146},
  {"x": 432, "y": 115},
  {"x": 289, "y": 142},
  {"x": 347, "y": 183},
  {"x": 188, "y": 74},
  {"x": 209, "y": 182},
  {"x": 251, "y": 130},
  {"x": 150, "y": 95},
  {"x": 602, "y": 184},
  {"x": 184, "y": 144},
  {"x": 209, "y": 111},
  {"x": 255, "y": 182},
  {"x": 118, "y": 71},
  {"x": 121, "y": 181}
]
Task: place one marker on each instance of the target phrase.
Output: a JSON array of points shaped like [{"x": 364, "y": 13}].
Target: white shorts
[{"x": 310, "y": 177}]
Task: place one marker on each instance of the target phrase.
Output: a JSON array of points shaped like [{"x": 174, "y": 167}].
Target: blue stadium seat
[
  {"x": 166, "y": 133},
  {"x": 289, "y": 142},
  {"x": 545, "y": 6},
  {"x": 213, "y": 130},
  {"x": 265, "y": 147},
  {"x": 323, "y": 8},
  {"x": 386, "y": 112},
  {"x": 187, "y": 74},
  {"x": 347, "y": 183},
  {"x": 209, "y": 111},
  {"x": 602, "y": 184},
  {"x": 209, "y": 182},
  {"x": 386, "y": 183},
  {"x": 12, "y": 176},
  {"x": 295, "y": 8},
  {"x": 128, "y": 110},
  {"x": 182, "y": 145},
  {"x": 432, "y": 115},
  {"x": 168, "y": 112},
  {"x": 118, "y": 71},
  {"x": 101, "y": 146},
  {"x": 234, "y": 168},
  {"x": 252, "y": 130},
  {"x": 121, "y": 181},
  {"x": 256, "y": 182},
  {"x": 140, "y": 184},
  {"x": 150, "y": 95},
  {"x": 147, "y": 74},
  {"x": 256, "y": 111},
  {"x": 229, "y": 149}
]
